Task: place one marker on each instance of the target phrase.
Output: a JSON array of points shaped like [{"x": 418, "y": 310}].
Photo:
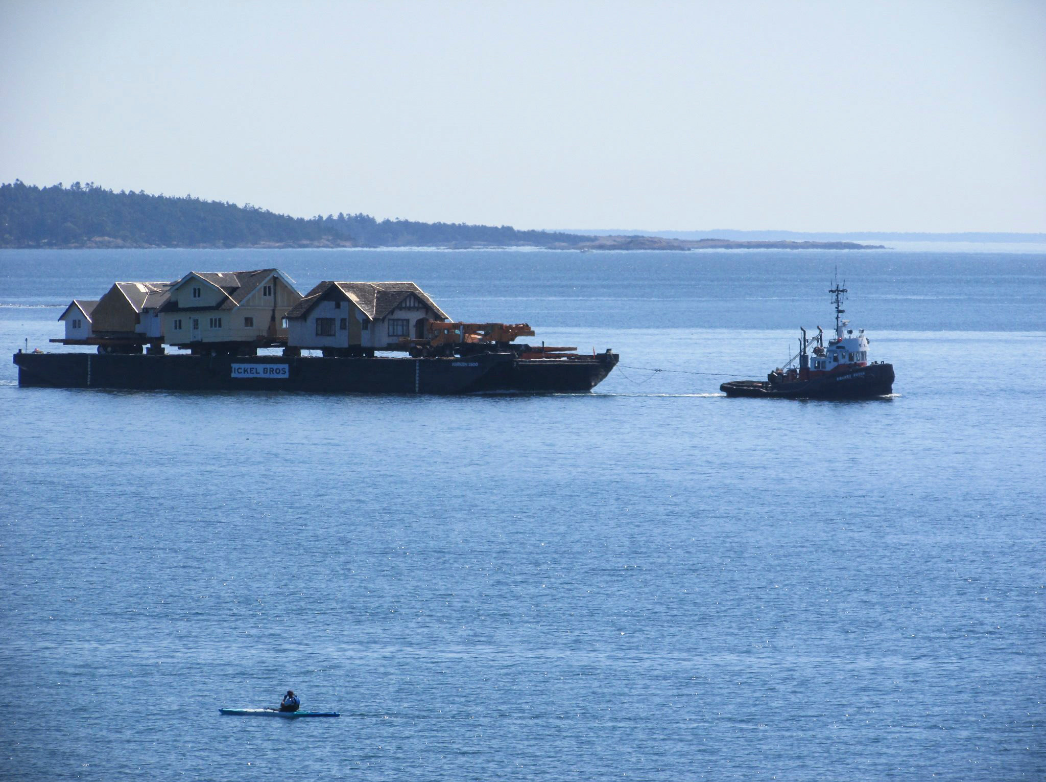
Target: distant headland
[{"x": 90, "y": 216}]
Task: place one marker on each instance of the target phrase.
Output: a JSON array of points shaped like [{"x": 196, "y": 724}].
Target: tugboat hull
[{"x": 860, "y": 383}]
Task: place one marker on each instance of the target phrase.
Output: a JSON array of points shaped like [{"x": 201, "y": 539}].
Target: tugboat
[{"x": 839, "y": 370}]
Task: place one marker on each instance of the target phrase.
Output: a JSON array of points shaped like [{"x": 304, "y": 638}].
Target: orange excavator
[
  {"x": 449, "y": 338},
  {"x": 445, "y": 333}
]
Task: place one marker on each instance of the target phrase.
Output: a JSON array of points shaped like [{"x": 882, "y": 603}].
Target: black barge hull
[
  {"x": 489, "y": 372},
  {"x": 864, "y": 383}
]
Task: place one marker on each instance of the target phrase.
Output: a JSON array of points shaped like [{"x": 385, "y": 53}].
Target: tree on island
[{"x": 92, "y": 216}]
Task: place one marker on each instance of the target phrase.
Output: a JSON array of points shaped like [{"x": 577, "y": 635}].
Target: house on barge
[
  {"x": 127, "y": 316},
  {"x": 77, "y": 319},
  {"x": 357, "y": 318},
  {"x": 229, "y": 311}
]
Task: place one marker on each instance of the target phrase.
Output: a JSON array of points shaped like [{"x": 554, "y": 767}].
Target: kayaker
[{"x": 290, "y": 702}]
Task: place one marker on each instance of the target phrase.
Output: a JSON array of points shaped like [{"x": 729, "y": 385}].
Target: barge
[
  {"x": 496, "y": 371},
  {"x": 222, "y": 320},
  {"x": 840, "y": 370}
]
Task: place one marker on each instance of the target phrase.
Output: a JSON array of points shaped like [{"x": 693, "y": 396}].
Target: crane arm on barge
[{"x": 459, "y": 338}]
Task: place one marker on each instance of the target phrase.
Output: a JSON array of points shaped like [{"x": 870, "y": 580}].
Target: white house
[
  {"x": 352, "y": 317},
  {"x": 77, "y": 317},
  {"x": 228, "y": 310}
]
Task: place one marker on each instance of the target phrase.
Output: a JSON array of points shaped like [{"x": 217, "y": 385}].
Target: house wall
[
  {"x": 380, "y": 330},
  {"x": 283, "y": 297},
  {"x": 85, "y": 325},
  {"x": 150, "y": 323},
  {"x": 210, "y": 296},
  {"x": 302, "y": 332},
  {"x": 233, "y": 328},
  {"x": 183, "y": 336},
  {"x": 114, "y": 314}
]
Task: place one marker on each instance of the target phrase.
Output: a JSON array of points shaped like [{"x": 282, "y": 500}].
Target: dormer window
[{"x": 197, "y": 293}]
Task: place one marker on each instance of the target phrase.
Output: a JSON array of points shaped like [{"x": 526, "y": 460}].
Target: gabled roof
[
  {"x": 236, "y": 286},
  {"x": 84, "y": 305},
  {"x": 145, "y": 295},
  {"x": 374, "y": 299}
]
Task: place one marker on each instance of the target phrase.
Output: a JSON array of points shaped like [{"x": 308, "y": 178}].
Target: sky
[{"x": 919, "y": 115}]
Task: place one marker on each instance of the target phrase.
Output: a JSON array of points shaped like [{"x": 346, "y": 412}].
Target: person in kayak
[{"x": 290, "y": 702}]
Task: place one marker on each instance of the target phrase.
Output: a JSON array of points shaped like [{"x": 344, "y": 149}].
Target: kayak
[{"x": 289, "y": 715}]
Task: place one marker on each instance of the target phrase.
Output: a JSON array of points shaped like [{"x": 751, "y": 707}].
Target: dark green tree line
[{"x": 89, "y": 215}]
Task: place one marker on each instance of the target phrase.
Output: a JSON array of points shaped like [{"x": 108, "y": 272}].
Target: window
[
  {"x": 196, "y": 323},
  {"x": 399, "y": 327},
  {"x": 344, "y": 324},
  {"x": 196, "y": 293},
  {"x": 215, "y": 323},
  {"x": 266, "y": 290},
  {"x": 283, "y": 323},
  {"x": 337, "y": 304},
  {"x": 324, "y": 327},
  {"x": 366, "y": 325},
  {"x": 248, "y": 322},
  {"x": 412, "y": 302},
  {"x": 76, "y": 323},
  {"x": 851, "y": 357},
  {"x": 177, "y": 324}
]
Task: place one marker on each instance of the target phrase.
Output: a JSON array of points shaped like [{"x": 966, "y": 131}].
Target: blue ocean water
[{"x": 649, "y": 581}]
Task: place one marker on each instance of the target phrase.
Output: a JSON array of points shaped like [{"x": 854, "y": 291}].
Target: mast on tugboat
[{"x": 838, "y": 294}]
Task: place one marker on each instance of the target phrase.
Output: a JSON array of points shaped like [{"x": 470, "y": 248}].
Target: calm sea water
[{"x": 650, "y": 581}]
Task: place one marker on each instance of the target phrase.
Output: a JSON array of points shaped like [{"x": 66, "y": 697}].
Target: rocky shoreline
[{"x": 659, "y": 243}]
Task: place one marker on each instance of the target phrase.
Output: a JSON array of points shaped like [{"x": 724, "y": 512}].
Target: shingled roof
[
  {"x": 145, "y": 295},
  {"x": 85, "y": 306},
  {"x": 237, "y": 286},
  {"x": 375, "y": 299}
]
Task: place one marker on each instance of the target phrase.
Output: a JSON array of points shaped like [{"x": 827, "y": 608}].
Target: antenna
[{"x": 838, "y": 296}]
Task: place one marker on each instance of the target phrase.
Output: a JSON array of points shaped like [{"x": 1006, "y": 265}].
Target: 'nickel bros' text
[{"x": 260, "y": 370}]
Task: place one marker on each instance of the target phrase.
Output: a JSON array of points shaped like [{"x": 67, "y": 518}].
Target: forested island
[{"x": 90, "y": 216}]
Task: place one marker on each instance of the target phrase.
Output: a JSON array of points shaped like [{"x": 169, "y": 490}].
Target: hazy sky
[{"x": 837, "y": 115}]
